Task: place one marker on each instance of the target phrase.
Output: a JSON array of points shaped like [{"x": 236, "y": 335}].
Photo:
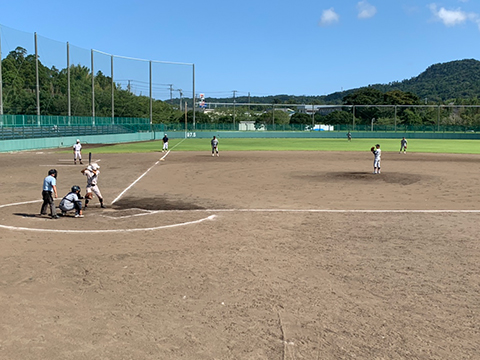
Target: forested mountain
[{"x": 439, "y": 83}]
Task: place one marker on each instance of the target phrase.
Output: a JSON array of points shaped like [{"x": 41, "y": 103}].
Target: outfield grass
[{"x": 415, "y": 145}]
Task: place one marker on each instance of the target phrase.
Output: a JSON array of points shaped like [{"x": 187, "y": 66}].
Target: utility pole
[
  {"x": 181, "y": 97},
  {"x": 234, "y": 93},
  {"x": 171, "y": 90}
]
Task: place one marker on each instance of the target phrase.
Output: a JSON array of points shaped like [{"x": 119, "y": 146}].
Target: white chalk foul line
[
  {"x": 161, "y": 159},
  {"x": 164, "y": 156},
  {"x": 141, "y": 176},
  {"x": 211, "y": 217},
  {"x": 334, "y": 211},
  {"x": 21, "y": 203},
  {"x": 151, "y": 212}
]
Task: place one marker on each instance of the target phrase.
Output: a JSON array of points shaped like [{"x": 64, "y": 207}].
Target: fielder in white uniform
[
  {"x": 92, "y": 173},
  {"x": 376, "y": 161},
  {"x": 77, "y": 152},
  {"x": 214, "y": 144}
]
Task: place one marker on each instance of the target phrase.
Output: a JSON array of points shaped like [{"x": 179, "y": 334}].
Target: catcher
[
  {"x": 92, "y": 172},
  {"x": 376, "y": 161},
  {"x": 71, "y": 201}
]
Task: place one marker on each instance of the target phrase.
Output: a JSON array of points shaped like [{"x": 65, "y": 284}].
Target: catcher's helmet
[
  {"x": 53, "y": 172},
  {"x": 75, "y": 188}
]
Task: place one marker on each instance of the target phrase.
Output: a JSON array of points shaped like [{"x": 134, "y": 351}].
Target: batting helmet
[{"x": 95, "y": 166}]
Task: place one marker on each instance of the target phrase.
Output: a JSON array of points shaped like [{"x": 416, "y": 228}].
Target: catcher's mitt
[{"x": 372, "y": 148}]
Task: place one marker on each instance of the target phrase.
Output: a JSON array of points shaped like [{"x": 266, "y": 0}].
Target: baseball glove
[{"x": 372, "y": 148}]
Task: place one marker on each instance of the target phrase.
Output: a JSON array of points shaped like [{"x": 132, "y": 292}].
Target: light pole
[{"x": 373, "y": 119}]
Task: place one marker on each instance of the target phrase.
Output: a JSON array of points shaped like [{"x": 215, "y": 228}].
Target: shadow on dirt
[
  {"x": 154, "y": 203},
  {"x": 28, "y": 215},
  {"x": 393, "y": 178}
]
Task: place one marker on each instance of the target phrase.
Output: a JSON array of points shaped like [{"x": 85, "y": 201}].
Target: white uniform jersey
[
  {"x": 77, "y": 147},
  {"x": 92, "y": 177},
  {"x": 377, "y": 154}
]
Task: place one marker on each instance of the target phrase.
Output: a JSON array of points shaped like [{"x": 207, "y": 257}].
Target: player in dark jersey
[{"x": 403, "y": 145}]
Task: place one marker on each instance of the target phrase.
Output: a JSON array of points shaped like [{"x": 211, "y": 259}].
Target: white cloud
[
  {"x": 329, "y": 17},
  {"x": 449, "y": 17},
  {"x": 454, "y": 17},
  {"x": 365, "y": 10}
]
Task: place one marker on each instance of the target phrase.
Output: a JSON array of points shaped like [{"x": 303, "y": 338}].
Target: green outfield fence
[
  {"x": 336, "y": 128},
  {"x": 28, "y": 132},
  {"x": 14, "y": 127}
]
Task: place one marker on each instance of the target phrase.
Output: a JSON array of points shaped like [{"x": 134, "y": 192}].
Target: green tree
[
  {"x": 300, "y": 118},
  {"x": 277, "y": 117},
  {"x": 337, "y": 117}
]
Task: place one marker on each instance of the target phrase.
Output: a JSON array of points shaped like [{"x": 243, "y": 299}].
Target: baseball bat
[{"x": 89, "y": 158}]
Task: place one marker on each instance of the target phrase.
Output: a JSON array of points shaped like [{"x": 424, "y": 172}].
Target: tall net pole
[
  {"x": 150, "y": 93},
  {"x": 1, "y": 82},
  {"x": 69, "y": 94},
  {"x": 193, "y": 96},
  {"x": 113, "y": 90},
  {"x": 36, "y": 76}
]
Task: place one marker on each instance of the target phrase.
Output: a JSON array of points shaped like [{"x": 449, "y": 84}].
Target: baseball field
[{"x": 299, "y": 253}]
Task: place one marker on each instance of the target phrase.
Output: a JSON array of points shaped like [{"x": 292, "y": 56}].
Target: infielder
[
  {"x": 165, "y": 143},
  {"x": 403, "y": 145},
  {"x": 214, "y": 143},
  {"x": 77, "y": 152},
  {"x": 92, "y": 173},
  {"x": 72, "y": 201},
  {"x": 376, "y": 161}
]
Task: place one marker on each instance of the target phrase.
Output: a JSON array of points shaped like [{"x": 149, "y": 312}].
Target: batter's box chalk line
[{"x": 87, "y": 231}]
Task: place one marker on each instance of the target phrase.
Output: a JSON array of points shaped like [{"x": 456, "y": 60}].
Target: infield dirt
[{"x": 308, "y": 256}]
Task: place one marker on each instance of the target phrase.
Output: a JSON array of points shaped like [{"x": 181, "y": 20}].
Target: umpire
[{"x": 49, "y": 188}]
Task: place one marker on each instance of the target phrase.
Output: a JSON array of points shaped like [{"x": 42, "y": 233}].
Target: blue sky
[{"x": 264, "y": 48}]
